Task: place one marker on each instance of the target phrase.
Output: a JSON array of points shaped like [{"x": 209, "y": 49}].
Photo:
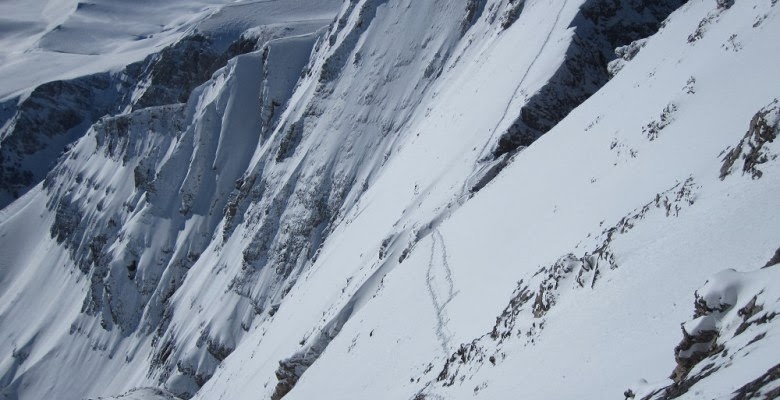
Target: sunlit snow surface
[
  {"x": 383, "y": 137},
  {"x": 49, "y": 40}
]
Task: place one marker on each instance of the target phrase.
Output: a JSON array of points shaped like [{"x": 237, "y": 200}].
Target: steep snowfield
[
  {"x": 611, "y": 157},
  {"x": 331, "y": 214}
]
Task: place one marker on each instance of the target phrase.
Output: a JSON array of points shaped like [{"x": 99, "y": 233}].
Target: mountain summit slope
[{"x": 420, "y": 200}]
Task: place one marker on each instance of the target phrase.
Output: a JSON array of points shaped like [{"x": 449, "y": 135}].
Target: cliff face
[
  {"x": 400, "y": 199},
  {"x": 40, "y": 125}
]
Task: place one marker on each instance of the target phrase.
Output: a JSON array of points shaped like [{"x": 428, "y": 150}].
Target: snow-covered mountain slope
[
  {"x": 110, "y": 57},
  {"x": 64, "y": 39},
  {"x": 611, "y": 221},
  {"x": 366, "y": 211}
]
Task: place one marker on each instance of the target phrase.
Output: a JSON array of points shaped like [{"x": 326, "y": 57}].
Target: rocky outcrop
[
  {"x": 512, "y": 13},
  {"x": 733, "y": 312},
  {"x": 47, "y": 121},
  {"x": 334, "y": 64},
  {"x": 774, "y": 260},
  {"x": 524, "y": 317},
  {"x": 625, "y": 54},
  {"x": 474, "y": 10},
  {"x": 754, "y": 148},
  {"x": 170, "y": 75},
  {"x": 600, "y": 27}
]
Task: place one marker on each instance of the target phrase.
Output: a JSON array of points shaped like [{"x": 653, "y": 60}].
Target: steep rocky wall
[{"x": 601, "y": 27}]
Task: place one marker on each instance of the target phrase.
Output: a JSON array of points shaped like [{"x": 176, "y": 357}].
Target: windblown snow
[{"x": 389, "y": 199}]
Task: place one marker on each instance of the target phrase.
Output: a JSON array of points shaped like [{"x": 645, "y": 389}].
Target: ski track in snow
[
  {"x": 447, "y": 270},
  {"x": 520, "y": 84},
  {"x": 438, "y": 305}
]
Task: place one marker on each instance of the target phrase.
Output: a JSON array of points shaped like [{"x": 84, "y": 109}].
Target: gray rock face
[
  {"x": 754, "y": 148},
  {"x": 172, "y": 74},
  {"x": 186, "y": 164},
  {"x": 601, "y": 26},
  {"x": 51, "y": 117},
  {"x": 55, "y": 114}
]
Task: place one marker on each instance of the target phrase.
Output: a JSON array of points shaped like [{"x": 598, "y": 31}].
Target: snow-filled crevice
[{"x": 302, "y": 205}]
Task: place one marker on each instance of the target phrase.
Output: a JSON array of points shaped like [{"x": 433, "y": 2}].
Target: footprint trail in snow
[{"x": 435, "y": 279}]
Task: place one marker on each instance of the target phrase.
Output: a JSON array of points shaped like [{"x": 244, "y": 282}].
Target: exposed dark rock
[
  {"x": 704, "y": 24},
  {"x": 512, "y": 13},
  {"x": 466, "y": 353},
  {"x": 654, "y": 128},
  {"x": 66, "y": 221},
  {"x": 724, "y": 4},
  {"x": 291, "y": 369},
  {"x": 774, "y": 260},
  {"x": 474, "y": 10},
  {"x": 682, "y": 387},
  {"x": 752, "y": 149},
  {"x": 59, "y": 112},
  {"x": 694, "y": 347},
  {"x": 625, "y": 53},
  {"x": 54, "y": 115},
  {"x": 600, "y": 27},
  {"x": 705, "y": 346},
  {"x": 288, "y": 373},
  {"x": 754, "y": 388},
  {"x": 178, "y": 69},
  {"x": 218, "y": 350},
  {"x": 506, "y": 321},
  {"x": 488, "y": 174},
  {"x": 290, "y": 140},
  {"x": 335, "y": 63}
]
